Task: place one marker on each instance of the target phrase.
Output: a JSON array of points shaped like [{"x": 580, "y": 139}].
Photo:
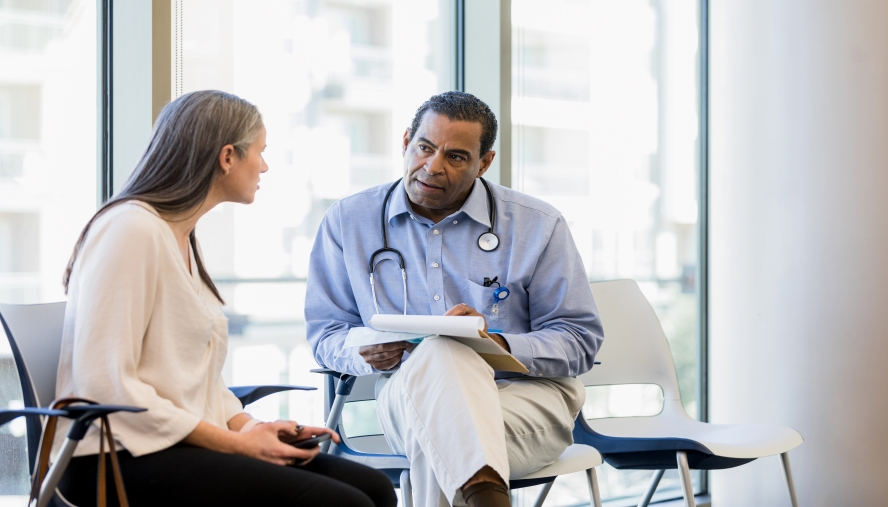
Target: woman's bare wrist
[{"x": 252, "y": 423}]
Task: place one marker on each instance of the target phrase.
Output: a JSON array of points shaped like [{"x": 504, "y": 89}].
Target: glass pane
[
  {"x": 337, "y": 83},
  {"x": 605, "y": 112},
  {"x": 48, "y": 90}
]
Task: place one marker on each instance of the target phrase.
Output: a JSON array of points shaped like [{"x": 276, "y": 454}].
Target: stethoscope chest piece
[{"x": 488, "y": 242}]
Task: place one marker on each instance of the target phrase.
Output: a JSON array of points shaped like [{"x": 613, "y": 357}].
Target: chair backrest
[
  {"x": 635, "y": 350},
  {"x": 35, "y": 336}
]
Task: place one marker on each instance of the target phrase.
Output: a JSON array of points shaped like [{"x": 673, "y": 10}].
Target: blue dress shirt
[{"x": 549, "y": 320}]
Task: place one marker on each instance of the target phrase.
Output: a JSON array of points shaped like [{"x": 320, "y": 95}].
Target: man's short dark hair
[{"x": 460, "y": 106}]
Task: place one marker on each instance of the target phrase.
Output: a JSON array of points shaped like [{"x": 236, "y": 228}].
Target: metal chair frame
[{"x": 340, "y": 387}]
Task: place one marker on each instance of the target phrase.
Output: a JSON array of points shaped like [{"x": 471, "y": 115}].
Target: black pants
[{"x": 193, "y": 476}]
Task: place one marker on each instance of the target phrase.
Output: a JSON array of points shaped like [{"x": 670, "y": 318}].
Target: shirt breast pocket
[{"x": 480, "y": 298}]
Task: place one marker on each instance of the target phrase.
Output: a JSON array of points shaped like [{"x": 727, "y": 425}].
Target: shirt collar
[{"x": 476, "y": 206}]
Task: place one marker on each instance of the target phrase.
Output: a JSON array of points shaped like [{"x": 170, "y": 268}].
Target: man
[{"x": 465, "y": 428}]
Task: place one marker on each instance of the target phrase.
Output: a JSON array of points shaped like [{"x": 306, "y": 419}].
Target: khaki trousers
[{"x": 446, "y": 413}]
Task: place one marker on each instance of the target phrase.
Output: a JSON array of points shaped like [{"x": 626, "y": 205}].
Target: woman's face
[{"x": 241, "y": 181}]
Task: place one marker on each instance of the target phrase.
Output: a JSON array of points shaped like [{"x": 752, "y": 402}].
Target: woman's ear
[{"x": 226, "y": 158}]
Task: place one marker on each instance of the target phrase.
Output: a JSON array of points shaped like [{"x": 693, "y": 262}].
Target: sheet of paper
[
  {"x": 467, "y": 330},
  {"x": 361, "y": 336},
  {"x": 465, "y": 327}
]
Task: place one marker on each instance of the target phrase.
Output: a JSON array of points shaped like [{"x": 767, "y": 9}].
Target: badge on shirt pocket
[{"x": 480, "y": 298}]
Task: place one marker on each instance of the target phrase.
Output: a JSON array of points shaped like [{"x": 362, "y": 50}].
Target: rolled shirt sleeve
[{"x": 231, "y": 406}]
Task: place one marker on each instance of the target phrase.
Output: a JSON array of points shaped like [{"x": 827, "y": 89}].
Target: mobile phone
[{"x": 312, "y": 442}]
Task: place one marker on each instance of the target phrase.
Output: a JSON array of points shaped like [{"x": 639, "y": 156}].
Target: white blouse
[{"x": 141, "y": 330}]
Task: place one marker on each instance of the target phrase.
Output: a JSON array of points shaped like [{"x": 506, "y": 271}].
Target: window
[
  {"x": 337, "y": 83},
  {"x": 47, "y": 172},
  {"x": 605, "y": 120},
  {"x": 605, "y": 117}
]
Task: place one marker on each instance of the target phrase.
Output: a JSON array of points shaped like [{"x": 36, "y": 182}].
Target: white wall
[{"x": 799, "y": 242}]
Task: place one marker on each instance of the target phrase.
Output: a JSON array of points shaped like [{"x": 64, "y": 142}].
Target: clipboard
[{"x": 466, "y": 330}]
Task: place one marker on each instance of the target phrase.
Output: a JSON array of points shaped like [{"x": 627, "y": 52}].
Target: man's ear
[
  {"x": 486, "y": 160},
  {"x": 227, "y": 158},
  {"x": 406, "y": 142}
]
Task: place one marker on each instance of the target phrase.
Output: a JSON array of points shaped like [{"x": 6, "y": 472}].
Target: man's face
[{"x": 441, "y": 162}]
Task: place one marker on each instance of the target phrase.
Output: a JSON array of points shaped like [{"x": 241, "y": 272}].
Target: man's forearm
[{"x": 553, "y": 352}]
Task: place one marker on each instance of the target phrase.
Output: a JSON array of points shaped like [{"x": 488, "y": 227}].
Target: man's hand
[
  {"x": 464, "y": 310},
  {"x": 384, "y": 356}
]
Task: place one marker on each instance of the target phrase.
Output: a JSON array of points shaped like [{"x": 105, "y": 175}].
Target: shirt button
[
  {"x": 455, "y": 222},
  {"x": 437, "y": 232},
  {"x": 434, "y": 264},
  {"x": 437, "y": 297}
]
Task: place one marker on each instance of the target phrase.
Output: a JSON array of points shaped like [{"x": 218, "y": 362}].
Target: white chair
[
  {"x": 374, "y": 451},
  {"x": 635, "y": 351}
]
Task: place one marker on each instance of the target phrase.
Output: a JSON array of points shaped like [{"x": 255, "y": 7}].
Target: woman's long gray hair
[{"x": 182, "y": 160}]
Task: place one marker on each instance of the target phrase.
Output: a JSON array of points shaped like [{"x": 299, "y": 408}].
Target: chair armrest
[
  {"x": 347, "y": 381},
  {"x": 332, "y": 373},
  {"x": 8, "y": 415},
  {"x": 84, "y": 415},
  {"x": 249, "y": 394}
]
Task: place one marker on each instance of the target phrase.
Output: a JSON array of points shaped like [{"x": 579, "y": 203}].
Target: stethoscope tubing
[{"x": 484, "y": 241}]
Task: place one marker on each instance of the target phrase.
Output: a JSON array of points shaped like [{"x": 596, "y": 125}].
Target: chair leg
[
  {"x": 54, "y": 475},
  {"x": 406, "y": 490},
  {"x": 652, "y": 488},
  {"x": 543, "y": 494},
  {"x": 594, "y": 493},
  {"x": 787, "y": 474},
  {"x": 333, "y": 419},
  {"x": 684, "y": 473}
]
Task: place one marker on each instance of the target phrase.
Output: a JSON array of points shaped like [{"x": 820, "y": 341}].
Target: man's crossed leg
[{"x": 446, "y": 413}]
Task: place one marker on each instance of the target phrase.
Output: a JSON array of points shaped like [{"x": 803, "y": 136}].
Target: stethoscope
[{"x": 488, "y": 242}]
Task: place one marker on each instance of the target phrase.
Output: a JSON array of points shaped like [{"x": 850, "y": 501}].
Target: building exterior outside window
[
  {"x": 47, "y": 173},
  {"x": 337, "y": 83},
  {"x": 605, "y": 116}
]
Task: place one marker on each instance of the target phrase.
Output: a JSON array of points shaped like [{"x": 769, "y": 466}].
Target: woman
[{"x": 144, "y": 327}]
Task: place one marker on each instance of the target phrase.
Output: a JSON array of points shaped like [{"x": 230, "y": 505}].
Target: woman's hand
[
  {"x": 266, "y": 442},
  {"x": 292, "y": 435}
]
